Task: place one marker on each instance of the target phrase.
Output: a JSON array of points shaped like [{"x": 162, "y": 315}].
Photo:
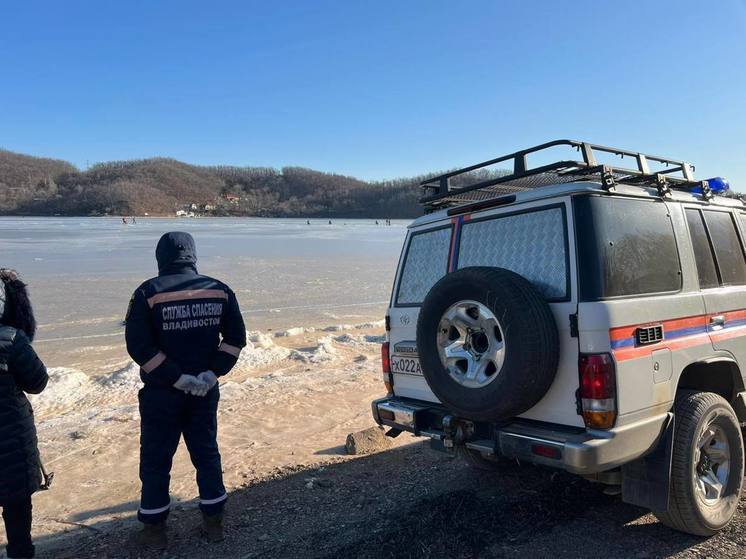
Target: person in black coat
[{"x": 21, "y": 371}]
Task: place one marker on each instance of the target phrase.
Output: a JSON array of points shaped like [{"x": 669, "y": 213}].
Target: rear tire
[{"x": 707, "y": 465}]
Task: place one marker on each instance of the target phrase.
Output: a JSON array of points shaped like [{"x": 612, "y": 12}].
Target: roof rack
[{"x": 439, "y": 192}]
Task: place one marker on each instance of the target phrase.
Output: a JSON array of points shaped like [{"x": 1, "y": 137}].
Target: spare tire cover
[{"x": 488, "y": 343}]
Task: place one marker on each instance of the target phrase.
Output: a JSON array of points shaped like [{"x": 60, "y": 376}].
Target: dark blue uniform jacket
[{"x": 182, "y": 322}]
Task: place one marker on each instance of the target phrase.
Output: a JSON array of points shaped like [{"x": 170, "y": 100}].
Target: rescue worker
[
  {"x": 184, "y": 330},
  {"x": 21, "y": 372}
]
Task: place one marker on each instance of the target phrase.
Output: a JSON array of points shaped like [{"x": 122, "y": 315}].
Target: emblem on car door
[{"x": 405, "y": 319}]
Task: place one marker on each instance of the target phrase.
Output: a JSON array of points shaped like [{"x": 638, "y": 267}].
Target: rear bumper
[{"x": 580, "y": 451}]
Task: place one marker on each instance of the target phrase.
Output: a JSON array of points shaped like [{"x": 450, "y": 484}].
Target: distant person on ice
[
  {"x": 21, "y": 371},
  {"x": 184, "y": 330}
]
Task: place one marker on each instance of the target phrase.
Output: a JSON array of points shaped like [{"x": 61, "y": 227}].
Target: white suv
[{"x": 583, "y": 316}]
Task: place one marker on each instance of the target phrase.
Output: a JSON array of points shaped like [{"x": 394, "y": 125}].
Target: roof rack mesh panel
[{"x": 510, "y": 187}]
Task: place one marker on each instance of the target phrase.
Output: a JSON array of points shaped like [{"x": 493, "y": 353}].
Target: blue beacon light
[{"x": 718, "y": 185}]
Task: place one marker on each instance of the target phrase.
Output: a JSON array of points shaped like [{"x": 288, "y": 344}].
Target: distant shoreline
[
  {"x": 174, "y": 217},
  {"x": 37, "y": 187}
]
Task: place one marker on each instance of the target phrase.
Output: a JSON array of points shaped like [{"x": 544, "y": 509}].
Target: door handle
[{"x": 717, "y": 322}]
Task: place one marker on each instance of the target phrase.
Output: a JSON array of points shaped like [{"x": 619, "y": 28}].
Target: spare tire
[{"x": 488, "y": 343}]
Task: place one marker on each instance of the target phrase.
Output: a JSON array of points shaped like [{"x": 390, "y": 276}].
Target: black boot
[
  {"x": 152, "y": 536},
  {"x": 212, "y": 527}
]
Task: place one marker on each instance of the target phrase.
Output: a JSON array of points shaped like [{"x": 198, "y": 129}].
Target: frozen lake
[{"x": 286, "y": 273}]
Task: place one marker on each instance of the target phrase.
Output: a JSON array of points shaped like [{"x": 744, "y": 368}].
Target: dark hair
[{"x": 18, "y": 311}]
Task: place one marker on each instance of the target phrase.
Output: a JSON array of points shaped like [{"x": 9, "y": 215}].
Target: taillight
[
  {"x": 598, "y": 390},
  {"x": 547, "y": 451},
  {"x": 385, "y": 359},
  {"x": 388, "y": 381}
]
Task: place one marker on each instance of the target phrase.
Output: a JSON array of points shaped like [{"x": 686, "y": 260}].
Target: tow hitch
[
  {"x": 449, "y": 432},
  {"x": 456, "y": 432}
]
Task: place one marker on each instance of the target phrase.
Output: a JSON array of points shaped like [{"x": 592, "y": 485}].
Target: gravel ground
[{"x": 414, "y": 502}]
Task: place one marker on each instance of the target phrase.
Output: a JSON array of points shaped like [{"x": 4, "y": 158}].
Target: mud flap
[{"x": 646, "y": 481}]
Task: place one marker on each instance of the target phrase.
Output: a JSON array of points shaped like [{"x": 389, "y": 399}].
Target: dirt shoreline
[
  {"x": 414, "y": 502},
  {"x": 290, "y": 394}
]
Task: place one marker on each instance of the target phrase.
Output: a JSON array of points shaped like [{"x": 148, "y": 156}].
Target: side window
[
  {"x": 426, "y": 261},
  {"x": 626, "y": 247},
  {"x": 532, "y": 244},
  {"x": 727, "y": 245},
  {"x": 702, "y": 250}
]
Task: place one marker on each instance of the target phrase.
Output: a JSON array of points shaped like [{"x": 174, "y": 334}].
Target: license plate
[{"x": 405, "y": 365}]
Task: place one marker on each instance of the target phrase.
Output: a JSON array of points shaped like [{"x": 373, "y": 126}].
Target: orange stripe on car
[
  {"x": 678, "y": 333},
  {"x": 627, "y": 353},
  {"x": 624, "y": 332}
]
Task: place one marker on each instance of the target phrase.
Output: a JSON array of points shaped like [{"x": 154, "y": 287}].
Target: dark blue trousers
[{"x": 167, "y": 414}]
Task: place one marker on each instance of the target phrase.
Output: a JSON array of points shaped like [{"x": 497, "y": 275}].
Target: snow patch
[
  {"x": 127, "y": 378},
  {"x": 359, "y": 341},
  {"x": 323, "y": 352},
  {"x": 259, "y": 339},
  {"x": 65, "y": 386},
  {"x": 361, "y": 326},
  {"x": 297, "y": 331},
  {"x": 338, "y": 328},
  {"x": 260, "y": 351}
]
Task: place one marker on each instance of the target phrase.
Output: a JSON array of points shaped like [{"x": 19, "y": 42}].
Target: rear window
[
  {"x": 625, "y": 247},
  {"x": 426, "y": 261},
  {"x": 532, "y": 244}
]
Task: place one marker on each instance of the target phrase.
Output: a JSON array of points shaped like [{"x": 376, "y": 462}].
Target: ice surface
[{"x": 289, "y": 277}]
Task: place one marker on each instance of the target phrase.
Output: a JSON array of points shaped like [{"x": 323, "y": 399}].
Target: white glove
[
  {"x": 209, "y": 378},
  {"x": 192, "y": 385}
]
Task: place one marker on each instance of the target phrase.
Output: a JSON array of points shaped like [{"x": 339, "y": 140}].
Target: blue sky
[{"x": 374, "y": 89}]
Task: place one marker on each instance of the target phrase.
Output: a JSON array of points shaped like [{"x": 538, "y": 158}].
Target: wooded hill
[{"x": 159, "y": 186}]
